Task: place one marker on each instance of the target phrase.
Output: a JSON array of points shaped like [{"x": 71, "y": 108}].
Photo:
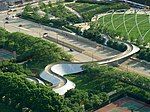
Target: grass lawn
[
  {"x": 88, "y": 10},
  {"x": 100, "y": 84},
  {"x": 129, "y": 25},
  {"x": 63, "y": 13}
]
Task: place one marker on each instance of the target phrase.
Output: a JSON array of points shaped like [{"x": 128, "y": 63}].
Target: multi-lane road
[{"x": 91, "y": 52}]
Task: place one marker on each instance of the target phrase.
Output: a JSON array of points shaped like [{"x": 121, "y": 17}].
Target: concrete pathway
[{"x": 74, "y": 12}]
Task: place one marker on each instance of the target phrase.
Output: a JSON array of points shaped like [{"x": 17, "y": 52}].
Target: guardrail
[
  {"x": 65, "y": 44},
  {"x": 131, "y": 49}
]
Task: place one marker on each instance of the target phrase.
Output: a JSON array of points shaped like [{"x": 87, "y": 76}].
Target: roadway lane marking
[{"x": 19, "y": 28}]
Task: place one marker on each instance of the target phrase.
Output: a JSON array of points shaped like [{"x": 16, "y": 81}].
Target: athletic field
[
  {"x": 126, "y": 105},
  {"x": 132, "y": 26}
]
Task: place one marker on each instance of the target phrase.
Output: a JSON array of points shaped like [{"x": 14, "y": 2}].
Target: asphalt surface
[{"x": 38, "y": 30}]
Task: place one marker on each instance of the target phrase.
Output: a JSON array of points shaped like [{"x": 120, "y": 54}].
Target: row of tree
[
  {"x": 144, "y": 54},
  {"x": 89, "y": 10},
  {"x": 96, "y": 29},
  {"x": 94, "y": 34},
  {"x": 19, "y": 93},
  {"x": 145, "y": 2},
  {"x": 9, "y": 66},
  {"x": 87, "y": 100},
  {"x": 127, "y": 77},
  {"x": 62, "y": 16},
  {"x": 35, "y": 52},
  {"x": 99, "y": 85}
]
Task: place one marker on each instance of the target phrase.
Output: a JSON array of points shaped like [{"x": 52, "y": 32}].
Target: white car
[{"x": 45, "y": 34}]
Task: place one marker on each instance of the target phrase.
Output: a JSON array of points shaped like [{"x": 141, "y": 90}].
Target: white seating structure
[
  {"x": 54, "y": 73},
  {"x": 65, "y": 69},
  {"x": 39, "y": 81},
  {"x": 35, "y": 80},
  {"x": 63, "y": 89},
  {"x": 31, "y": 80},
  {"x": 50, "y": 78}
]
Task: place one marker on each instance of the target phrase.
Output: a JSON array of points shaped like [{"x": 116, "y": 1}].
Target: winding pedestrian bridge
[{"x": 55, "y": 73}]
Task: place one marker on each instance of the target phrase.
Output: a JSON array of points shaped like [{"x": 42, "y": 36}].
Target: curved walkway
[
  {"x": 75, "y": 12},
  {"x": 54, "y": 73}
]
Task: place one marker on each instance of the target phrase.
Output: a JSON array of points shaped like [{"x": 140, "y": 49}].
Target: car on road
[
  {"x": 18, "y": 15},
  {"x": 71, "y": 50},
  {"x": 10, "y": 10},
  {"x": 45, "y": 34},
  {"x": 20, "y": 25},
  {"x": 13, "y": 16},
  {"x": 6, "y": 22},
  {"x": 14, "y": 10},
  {"x": 6, "y": 18}
]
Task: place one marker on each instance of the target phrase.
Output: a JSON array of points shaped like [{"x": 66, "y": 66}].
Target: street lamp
[
  {"x": 57, "y": 38},
  {"x": 39, "y": 30},
  {"x": 19, "y": 29},
  {"x": 77, "y": 37},
  {"x": 3, "y": 20},
  {"x": 97, "y": 48},
  {"x": 4, "y": 24},
  {"x": 3, "y": 41},
  {"x": 127, "y": 68},
  {"x": 92, "y": 56}
]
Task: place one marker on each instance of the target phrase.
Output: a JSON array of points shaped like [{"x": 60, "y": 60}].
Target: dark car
[
  {"x": 18, "y": 15},
  {"x": 14, "y": 10},
  {"x": 6, "y": 18},
  {"x": 20, "y": 25},
  {"x": 10, "y": 10},
  {"x": 6, "y": 22},
  {"x": 71, "y": 50}
]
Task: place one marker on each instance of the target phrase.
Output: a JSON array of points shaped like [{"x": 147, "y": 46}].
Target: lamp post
[
  {"x": 57, "y": 38},
  {"x": 3, "y": 21},
  {"x": 92, "y": 56},
  {"x": 40, "y": 29},
  {"x": 4, "y": 24},
  {"x": 97, "y": 48},
  {"x": 3, "y": 41},
  {"x": 77, "y": 37}
]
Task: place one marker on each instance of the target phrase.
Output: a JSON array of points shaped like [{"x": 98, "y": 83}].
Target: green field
[
  {"x": 88, "y": 10},
  {"x": 83, "y": 82},
  {"x": 132, "y": 26}
]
